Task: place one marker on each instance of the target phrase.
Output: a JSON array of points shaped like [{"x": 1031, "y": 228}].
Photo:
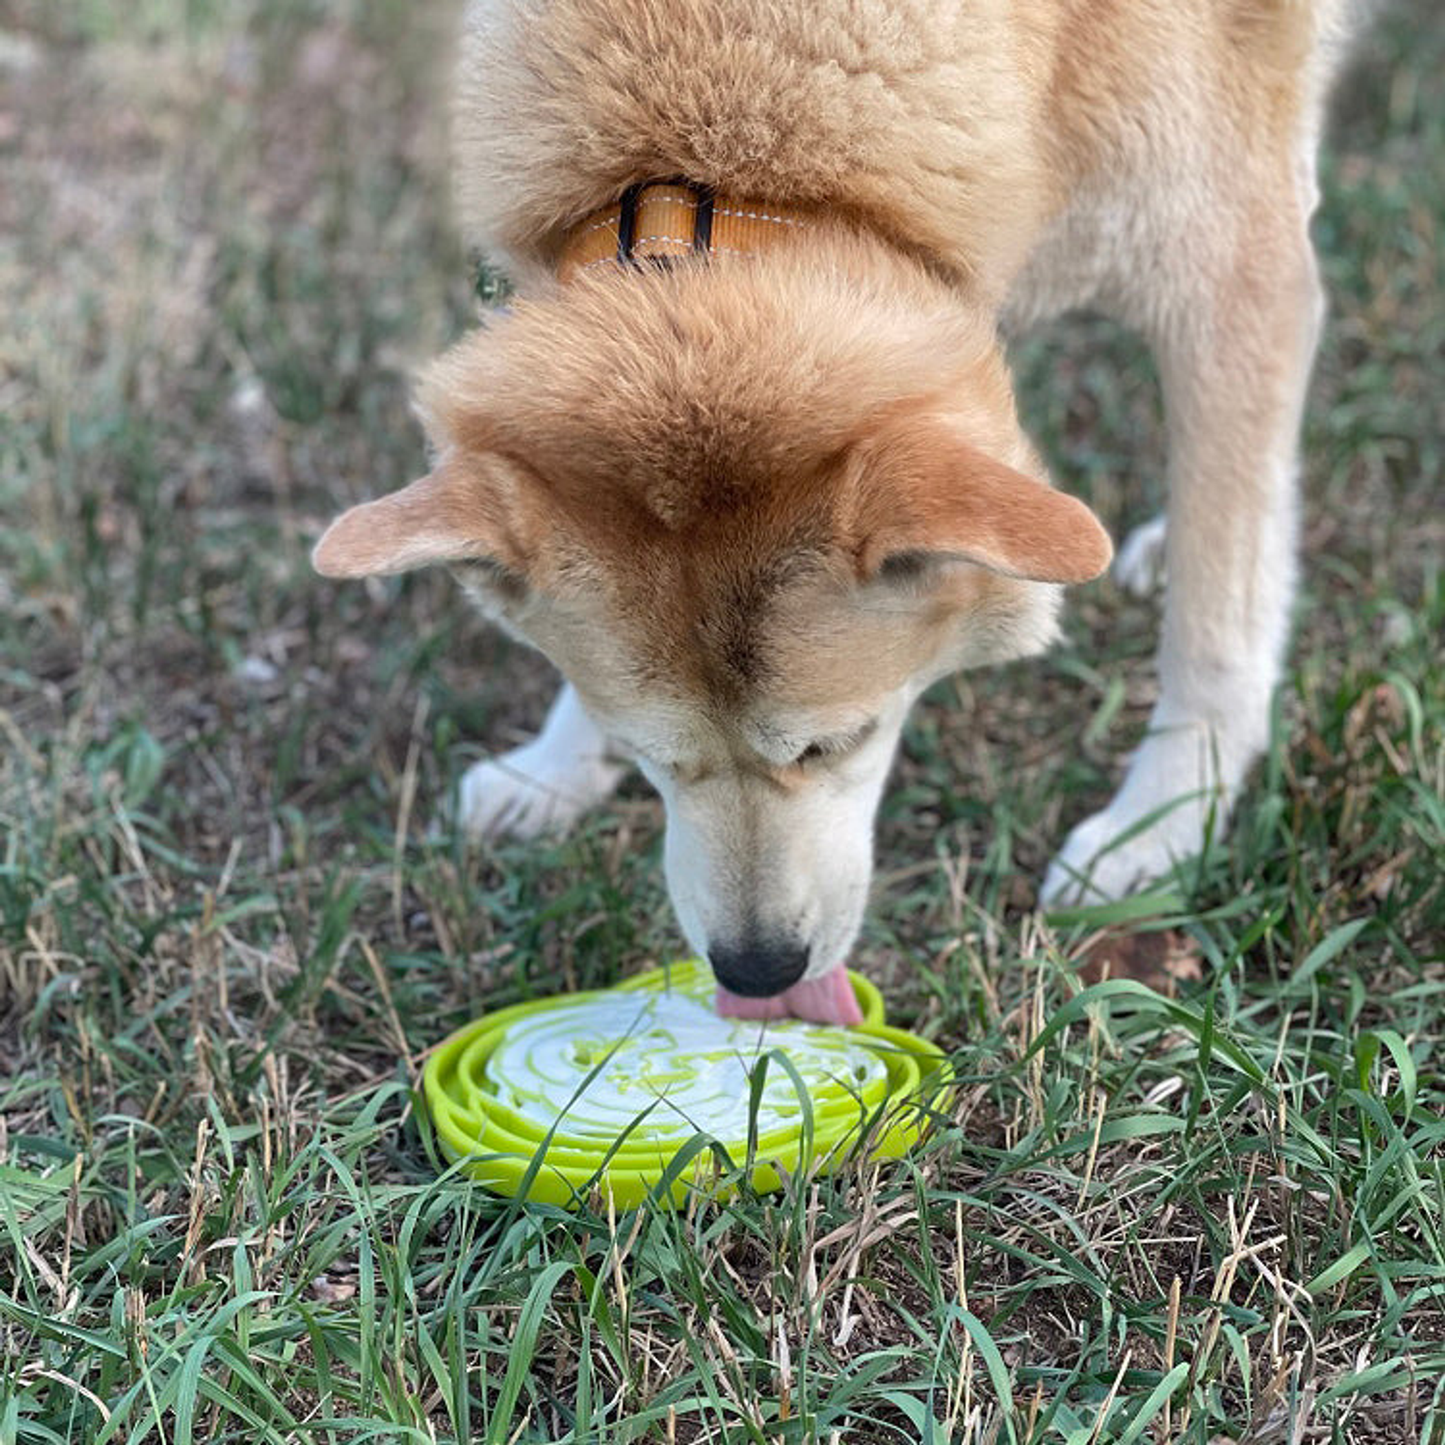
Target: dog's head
[{"x": 750, "y": 512}]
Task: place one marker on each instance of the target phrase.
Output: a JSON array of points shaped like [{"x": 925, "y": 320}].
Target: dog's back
[{"x": 959, "y": 129}]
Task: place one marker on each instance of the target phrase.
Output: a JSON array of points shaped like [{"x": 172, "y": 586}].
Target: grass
[{"x": 233, "y": 914}]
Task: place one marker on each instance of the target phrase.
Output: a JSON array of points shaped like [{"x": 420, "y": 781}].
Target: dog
[{"x": 742, "y": 459}]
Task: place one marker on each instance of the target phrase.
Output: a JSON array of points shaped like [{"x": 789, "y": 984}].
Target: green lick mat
[{"x": 554, "y": 1098}]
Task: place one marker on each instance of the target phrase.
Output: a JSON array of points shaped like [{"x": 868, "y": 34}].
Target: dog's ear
[
  {"x": 925, "y": 493},
  {"x": 461, "y": 511}
]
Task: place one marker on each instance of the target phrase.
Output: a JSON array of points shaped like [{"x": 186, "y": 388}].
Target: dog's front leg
[
  {"x": 545, "y": 785},
  {"x": 1235, "y": 361}
]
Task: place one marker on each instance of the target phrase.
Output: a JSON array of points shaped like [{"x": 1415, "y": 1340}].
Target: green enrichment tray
[{"x": 608, "y": 1086}]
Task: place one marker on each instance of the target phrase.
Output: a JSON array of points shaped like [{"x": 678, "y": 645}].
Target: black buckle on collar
[
  {"x": 627, "y": 225},
  {"x": 704, "y": 199}
]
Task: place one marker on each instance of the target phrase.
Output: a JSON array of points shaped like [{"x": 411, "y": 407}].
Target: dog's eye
[{"x": 835, "y": 747}]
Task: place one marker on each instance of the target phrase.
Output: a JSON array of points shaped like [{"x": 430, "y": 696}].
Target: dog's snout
[{"x": 758, "y": 969}]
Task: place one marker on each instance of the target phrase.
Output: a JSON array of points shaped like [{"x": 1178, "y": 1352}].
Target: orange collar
[{"x": 661, "y": 220}]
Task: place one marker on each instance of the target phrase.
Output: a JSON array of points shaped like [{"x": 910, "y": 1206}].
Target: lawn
[{"x": 234, "y": 913}]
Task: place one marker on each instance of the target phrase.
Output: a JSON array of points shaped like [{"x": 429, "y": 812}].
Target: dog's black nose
[{"x": 758, "y": 970}]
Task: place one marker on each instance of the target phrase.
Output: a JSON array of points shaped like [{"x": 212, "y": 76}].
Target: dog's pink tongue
[{"x": 826, "y": 1000}]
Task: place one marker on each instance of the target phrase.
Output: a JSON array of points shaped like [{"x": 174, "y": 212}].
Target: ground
[{"x": 234, "y": 914}]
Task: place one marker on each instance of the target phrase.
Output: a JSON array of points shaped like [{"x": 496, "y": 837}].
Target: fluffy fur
[{"x": 752, "y": 507}]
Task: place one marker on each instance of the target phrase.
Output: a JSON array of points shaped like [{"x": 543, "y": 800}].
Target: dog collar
[{"x": 660, "y": 221}]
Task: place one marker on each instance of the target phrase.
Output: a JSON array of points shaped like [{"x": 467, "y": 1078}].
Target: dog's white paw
[
  {"x": 1109, "y": 856},
  {"x": 1102, "y": 860},
  {"x": 1139, "y": 566},
  {"x": 1122, "y": 849},
  {"x": 531, "y": 791},
  {"x": 1175, "y": 798}
]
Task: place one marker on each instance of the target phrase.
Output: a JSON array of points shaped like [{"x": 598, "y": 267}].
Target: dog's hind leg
[
  {"x": 1139, "y": 567},
  {"x": 546, "y": 785},
  {"x": 1235, "y": 351}
]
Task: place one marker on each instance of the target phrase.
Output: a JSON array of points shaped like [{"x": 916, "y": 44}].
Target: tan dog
[{"x": 743, "y": 461}]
